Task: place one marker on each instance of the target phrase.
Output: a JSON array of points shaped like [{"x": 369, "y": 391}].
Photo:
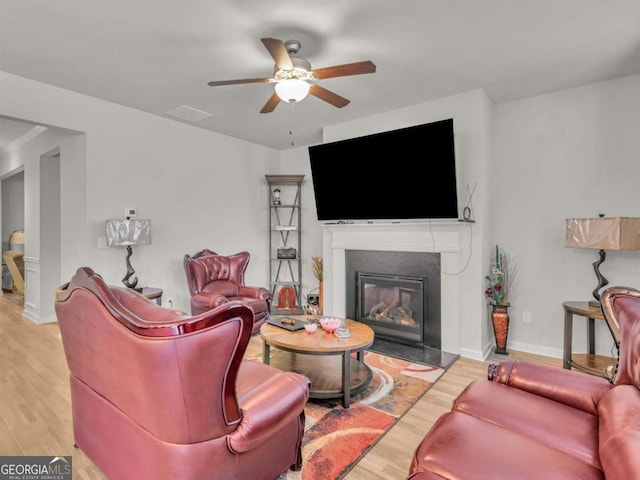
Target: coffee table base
[
  {"x": 324, "y": 358},
  {"x": 328, "y": 373}
]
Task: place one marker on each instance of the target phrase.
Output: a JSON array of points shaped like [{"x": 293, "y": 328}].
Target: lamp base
[
  {"x": 602, "y": 282},
  {"x": 130, "y": 271}
]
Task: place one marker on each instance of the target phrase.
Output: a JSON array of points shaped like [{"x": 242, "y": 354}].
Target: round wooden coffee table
[{"x": 324, "y": 358}]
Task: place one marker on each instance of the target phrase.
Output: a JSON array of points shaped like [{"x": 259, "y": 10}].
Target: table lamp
[
  {"x": 126, "y": 233},
  {"x": 602, "y": 233}
]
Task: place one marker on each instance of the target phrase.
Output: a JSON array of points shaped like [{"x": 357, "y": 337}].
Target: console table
[{"x": 589, "y": 362}]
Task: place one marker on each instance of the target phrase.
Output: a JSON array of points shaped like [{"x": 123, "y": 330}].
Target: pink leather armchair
[
  {"x": 217, "y": 279},
  {"x": 160, "y": 395}
]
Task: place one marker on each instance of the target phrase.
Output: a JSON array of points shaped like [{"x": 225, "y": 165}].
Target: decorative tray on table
[{"x": 288, "y": 323}]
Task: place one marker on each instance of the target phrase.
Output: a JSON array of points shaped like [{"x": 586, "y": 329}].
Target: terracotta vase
[
  {"x": 500, "y": 321},
  {"x": 320, "y": 297}
]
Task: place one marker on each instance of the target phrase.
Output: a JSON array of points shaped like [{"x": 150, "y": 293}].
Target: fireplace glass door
[{"x": 391, "y": 305}]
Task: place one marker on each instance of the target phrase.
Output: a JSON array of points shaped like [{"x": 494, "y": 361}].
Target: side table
[
  {"x": 153, "y": 293},
  {"x": 589, "y": 362}
]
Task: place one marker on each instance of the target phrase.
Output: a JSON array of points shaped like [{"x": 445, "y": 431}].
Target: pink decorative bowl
[
  {"x": 310, "y": 327},
  {"x": 329, "y": 324}
]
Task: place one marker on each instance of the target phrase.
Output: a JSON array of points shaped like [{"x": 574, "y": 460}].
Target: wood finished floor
[{"x": 35, "y": 408}]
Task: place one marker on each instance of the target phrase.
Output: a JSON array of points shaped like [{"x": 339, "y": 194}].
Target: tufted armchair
[
  {"x": 156, "y": 394},
  {"x": 217, "y": 279}
]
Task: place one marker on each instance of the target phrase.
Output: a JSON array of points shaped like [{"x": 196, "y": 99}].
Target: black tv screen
[{"x": 409, "y": 173}]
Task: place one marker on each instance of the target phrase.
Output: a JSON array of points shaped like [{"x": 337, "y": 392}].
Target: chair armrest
[
  {"x": 255, "y": 292},
  {"x": 267, "y": 407},
  {"x": 420, "y": 474},
  {"x": 206, "y": 301},
  {"x": 576, "y": 389}
]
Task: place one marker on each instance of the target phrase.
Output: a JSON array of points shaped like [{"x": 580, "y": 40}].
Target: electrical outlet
[{"x": 526, "y": 317}]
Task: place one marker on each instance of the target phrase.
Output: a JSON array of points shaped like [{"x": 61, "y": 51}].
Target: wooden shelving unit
[{"x": 285, "y": 244}]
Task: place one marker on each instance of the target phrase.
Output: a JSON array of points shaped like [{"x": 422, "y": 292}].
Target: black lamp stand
[
  {"x": 601, "y": 280},
  {"x": 130, "y": 271}
]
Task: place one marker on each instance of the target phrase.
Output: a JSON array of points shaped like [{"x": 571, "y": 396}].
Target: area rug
[{"x": 336, "y": 438}]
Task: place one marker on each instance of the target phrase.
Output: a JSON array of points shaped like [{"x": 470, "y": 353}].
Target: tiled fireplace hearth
[{"x": 346, "y": 245}]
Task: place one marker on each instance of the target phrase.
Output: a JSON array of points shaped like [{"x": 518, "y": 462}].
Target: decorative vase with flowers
[{"x": 498, "y": 283}]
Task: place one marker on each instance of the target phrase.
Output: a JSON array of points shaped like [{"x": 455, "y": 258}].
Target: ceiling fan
[{"x": 294, "y": 77}]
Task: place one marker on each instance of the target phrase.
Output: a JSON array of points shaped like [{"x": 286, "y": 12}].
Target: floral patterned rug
[{"x": 336, "y": 438}]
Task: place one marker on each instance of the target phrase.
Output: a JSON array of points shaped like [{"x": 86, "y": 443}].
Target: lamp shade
[
  {"x": 121, "y": 233},
  {"x": 293, "y": 90},
  {"x": 603, "y": 233}
]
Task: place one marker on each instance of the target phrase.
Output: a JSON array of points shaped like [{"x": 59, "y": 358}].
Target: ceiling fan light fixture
[
  {"x": 293, "y": 77},
  {"x": 292, "y": 91}
]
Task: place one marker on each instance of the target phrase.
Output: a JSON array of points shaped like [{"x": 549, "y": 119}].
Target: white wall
[
  {"x": 37, "y": 178},
  {"x": 471, "y": 112},
  {"x": 200, "y": 189},
  {"x": 540, "y": 160},
  {"x": 574, "y": 153},
  {"x": 537, "y": 161},
  {"x": 50, "y": 233}
]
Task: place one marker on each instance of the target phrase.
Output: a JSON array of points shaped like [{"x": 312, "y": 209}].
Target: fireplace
[
  {"x": 392, "y": 305},
  {"x": 453, "y": 296},
  {"x": 395, "y": 293}
]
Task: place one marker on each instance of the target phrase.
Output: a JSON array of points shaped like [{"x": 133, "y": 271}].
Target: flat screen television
[{"x": 403, "y": 174}]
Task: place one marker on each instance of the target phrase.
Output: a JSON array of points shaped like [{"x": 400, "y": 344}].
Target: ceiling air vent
[{"x": 189, "y": 114}]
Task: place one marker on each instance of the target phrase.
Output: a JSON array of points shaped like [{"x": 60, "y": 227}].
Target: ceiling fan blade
[
  {"x": 278, "y": 52},
  {"x": 328, "y": 96},
  {"x": 243, "y": 80},
  {"x": 271, "y": 104},
  {"x": 356, "y": 68}
]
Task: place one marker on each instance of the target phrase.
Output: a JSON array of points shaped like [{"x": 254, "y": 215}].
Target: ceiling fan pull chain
[{"x": 291, "y": 119}]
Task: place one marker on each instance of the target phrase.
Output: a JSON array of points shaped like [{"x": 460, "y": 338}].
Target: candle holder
[{"x": 342, "y": 331}]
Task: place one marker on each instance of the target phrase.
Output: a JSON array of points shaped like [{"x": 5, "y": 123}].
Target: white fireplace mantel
[{"x": 439, "y": 236}]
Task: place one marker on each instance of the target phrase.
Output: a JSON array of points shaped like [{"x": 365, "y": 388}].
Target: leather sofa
[
  {"x": 215, "y": 279},
  {"x": 531, "y": 421},
  {"x": 156, "y": 394}
]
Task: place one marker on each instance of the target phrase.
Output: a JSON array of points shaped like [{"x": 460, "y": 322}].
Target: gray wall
[{"x": 12, "y": 206}]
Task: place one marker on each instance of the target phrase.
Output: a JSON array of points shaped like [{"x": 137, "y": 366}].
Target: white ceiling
[{"x": 159, "y": 55}]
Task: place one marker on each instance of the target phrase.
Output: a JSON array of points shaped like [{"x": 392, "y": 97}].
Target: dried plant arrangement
[{"x": 316, "y": 266}]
